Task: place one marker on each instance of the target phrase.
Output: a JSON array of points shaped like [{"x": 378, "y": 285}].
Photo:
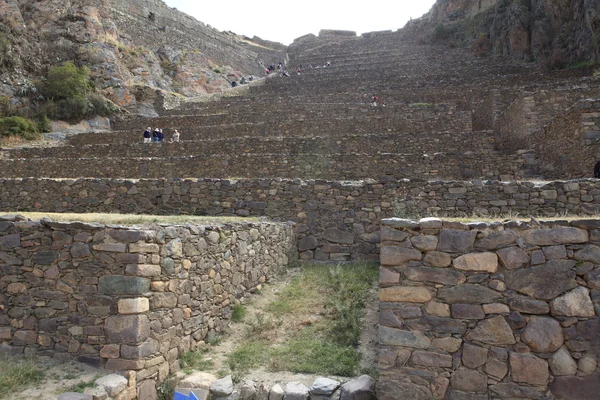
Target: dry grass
[
  {"x": 16, "y": 374},
  {"x": 134, "y": 219}
]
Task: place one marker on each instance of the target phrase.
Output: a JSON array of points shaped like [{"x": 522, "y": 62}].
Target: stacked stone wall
[
  {"x": 500, "y": 310},
  {"x": 460, "y": 165},
  {"x": 335, "y": 220},
  {"x": 570, "y": 144},
  {"x": 124, "y": 298}
]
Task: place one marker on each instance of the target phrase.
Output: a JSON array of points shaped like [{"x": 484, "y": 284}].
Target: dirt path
[{"x": 257, "y": 305}]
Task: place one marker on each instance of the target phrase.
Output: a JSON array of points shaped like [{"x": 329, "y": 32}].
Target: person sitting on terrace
[
  {"x": 155, "y": 135},
  {"x": 328, "y": 64},
  {"x": 374, "y": 101},
  {"x": 161, "y": 136},
  {"x": 243, "y": 80},
  {"x": 233, "y": 84},
  {"x": 148, "y": 135},
  {"x": 176, "y": 136}
]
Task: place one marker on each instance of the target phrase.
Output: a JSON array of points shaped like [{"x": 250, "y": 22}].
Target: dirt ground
[{"x": 59, "y": 376}]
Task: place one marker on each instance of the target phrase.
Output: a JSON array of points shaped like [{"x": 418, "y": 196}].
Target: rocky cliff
[
  {"x": 565, "y": 31},
  {"x": 132, "y": 48}
]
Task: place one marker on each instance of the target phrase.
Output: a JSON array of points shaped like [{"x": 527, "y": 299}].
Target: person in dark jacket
[
  {"x": 148, "y": 135},
  {"x": 155, "y": 135}
]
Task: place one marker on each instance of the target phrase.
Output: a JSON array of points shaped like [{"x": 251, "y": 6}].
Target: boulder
[
  {"x": 361, "y": 388},
  {"x": 296, "y": 391},
  {"x": 527, "y": 368},
  {"x": 456, "y": 240},
  {"x": 543, "y": 335},
  {"x": 113, "y": 384},
  {"x": 222, "y": 387},
  {"x": 576, "y": 303},
  {"x": 561, "y": 363}
]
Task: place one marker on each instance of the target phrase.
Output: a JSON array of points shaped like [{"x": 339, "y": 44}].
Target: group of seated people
[{"x": 157, "y": 135}]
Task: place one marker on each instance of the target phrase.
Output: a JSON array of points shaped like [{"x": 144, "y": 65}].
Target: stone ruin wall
[
  {"x": 499, "y": 310},
  {"x": 354, "y": 166},
  {"x": 127, "y": 298},
  {"x": 337, "y": 221},
  {"x": 570, "y": 145}
]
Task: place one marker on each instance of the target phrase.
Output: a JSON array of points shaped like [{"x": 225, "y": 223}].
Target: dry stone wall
[
  {"x": 499, "y": 310},
  {"x": 569, "y": 146},
  {"x": 336, "y": 220},
  {"x": 128, "y": 298}
]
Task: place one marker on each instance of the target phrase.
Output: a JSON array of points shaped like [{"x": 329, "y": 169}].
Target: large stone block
[
  {"x": 445, "y": 276},
  {"x": 494, "y": 331},
  {"x": 543, "y": 282},
  {"x": 133, "y": 306},
  {"x": 431, "y": 359},
  {"x": 468, "y": 294},
  {"x": 9, "y": 242},
  {"x": 513, "y": 257},
  {"x": 335, "y": 235},
  {"x": 561, "y": 363},
  {"x": 456, "y": 241},
  {"x": 527, "y": 368},
  {"x": 308, "y": 243},
  {"x": 528, "y": 305},
  {"x": 560, "y": 235},
  {"x": 438, "y": 259},
  {"x": 398, "y": 256},
  {"x": 479, "y": 262},
  {"x": 123, "y": 285},
  {"x": 576, "y": 303},
  {"x": 408, "y": 294},
  {"x": 496, "y": 240},
  {"x": 425, "y": 242},
  {"x": 110, "y": 247},
  {"x": 130, "y": 329},
  {"x": 543, "y": 335},
  {"x": 468, "y": 380},
  {"x": 397, "y": 337}
]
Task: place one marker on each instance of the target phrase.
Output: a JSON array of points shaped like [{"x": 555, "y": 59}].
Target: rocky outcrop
[
  {"x": 127, "y": 45},
  {"x": 563, "y": 32}
]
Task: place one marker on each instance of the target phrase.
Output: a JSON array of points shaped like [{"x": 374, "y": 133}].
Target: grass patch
[
  {"x": 133, "y": 219},
  {"x": 315, "y": 356},
  {"x": 239, "y": 313},
  {"x": 16, "y": 374},
  {"x": 249, "y": 355},
  {"x": 582, "y": 65},
  {"x": 81, "y": 386},
  {"x": 195, "y": 361},
  {"x": 313, "y": 326}
]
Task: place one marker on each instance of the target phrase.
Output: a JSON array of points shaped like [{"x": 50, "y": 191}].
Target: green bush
[
  {"x": 100, "y": 105},
  {"x": 66, "y": 81},
  {"x": 19, "y": 126}
]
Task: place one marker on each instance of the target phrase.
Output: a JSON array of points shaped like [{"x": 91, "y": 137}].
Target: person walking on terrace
[
  {"x": 176, "y": 136},
  {"x": 374, "y": 101},
  {"x": 148, "y": 135},
  {"x": 155, "y": 135}
]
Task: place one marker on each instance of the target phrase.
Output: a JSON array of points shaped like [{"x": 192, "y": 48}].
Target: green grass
[
  {"x": 239, "y": 313},
  {"x": 195, "y": 361},
  {"x": 324, "y": 306},
  {"x": 249, "y": 355},
  {"x": 131, "y": 219},
  {"x": 81, "y": 386},
  {"x": 16, "y": 374}
]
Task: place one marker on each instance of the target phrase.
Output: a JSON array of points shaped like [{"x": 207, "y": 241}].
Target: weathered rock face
[
  {"x": 509, "y": 317},
  {"x": 536, "y": 28},
  {"x": 128, "y": 46}
]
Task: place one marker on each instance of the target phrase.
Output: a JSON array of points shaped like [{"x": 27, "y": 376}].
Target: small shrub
[
  {"x": 239, "y": 313},
  {"x": 81, "y": 386},
  {"x": 217, "y": 70},
  {"x": 43, "y": 124},
  {"x": 100, "y": 105},
  {"x": 19, "y": 126},
  {"x": 6, "y": 108},
  {"x": 15, "y": 374},
  {"x": 66, "y": 81}
]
